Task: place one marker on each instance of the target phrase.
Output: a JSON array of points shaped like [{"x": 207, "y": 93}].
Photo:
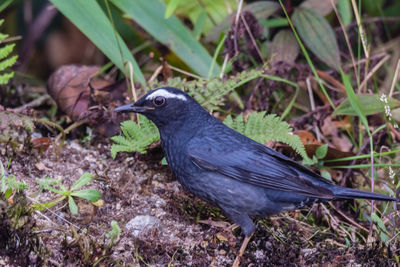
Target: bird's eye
[{"x": 159, "y": 100}]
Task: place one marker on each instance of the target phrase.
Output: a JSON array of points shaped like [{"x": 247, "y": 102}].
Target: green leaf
[
  {"x": 72, "y": 206},
  {"x": 378, "y": 220},
  {"x": 369, "y": 104},
  {"x": 47, "y": 205},
  {"x": 171, "y": 32},
  {"x": 115, "y": 230},
  {"x": 318, "y": 36},
  {"x": 83, "y": 180},
  {"x": 326, "y": 175},
  {"x": 89, "y": 194},
  {"x": 171, "y": 7},
  {"x": 8, "y": 193},
  {"x": 90, "y": 19},
  {"x": 354, "y": 102},
  {"x": 345, "y": 11},
  {"x": 8, "y": 62},
  {"x": 6, "y": 50},
  {"x": 284, "y": 47},
  {"x": 263, "y": 128},
  {"x": 321, "y": 151},
  {"x": 136, "y": 137}
]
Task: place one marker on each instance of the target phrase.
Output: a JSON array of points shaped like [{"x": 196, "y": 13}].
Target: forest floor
[{"x": 167, "y": 225}]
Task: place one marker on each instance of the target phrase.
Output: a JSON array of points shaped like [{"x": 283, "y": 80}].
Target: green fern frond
[
  {"x": 263, "y": 128},
  {"x": 5, "y": 51},
  {"x": 136, "y": 138},
  {"x": 6, "y": 62},
  {"x": 211, "y": 93}
]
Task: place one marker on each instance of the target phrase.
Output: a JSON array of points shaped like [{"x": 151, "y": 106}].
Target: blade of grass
[
  {"x": 216, "y": 53},
  {"x": 365, "y": 156},
  {"x": 171, "y": 32},
  {"x": 91, "y": 20},
  {"x": 307, "y": 56}
]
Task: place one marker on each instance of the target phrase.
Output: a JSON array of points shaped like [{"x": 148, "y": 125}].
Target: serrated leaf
[
  {"x": 6, "y": 50},
  {"x": 318, "y": 36},
  {"x": 284, "y": 47},
  {"x": 136, "y": 137},
  {"x": 83, "y": 180},
  {"x": 72, "y": 206},
  {"x": 263, "y": 128},
  {"x": 8, "y": 62},
  {"x": 88, "y": 194},
  {"x": 370, "y": 104}
]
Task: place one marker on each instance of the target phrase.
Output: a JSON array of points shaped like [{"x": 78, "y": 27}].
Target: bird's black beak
[{"x": 133, "y": 108}]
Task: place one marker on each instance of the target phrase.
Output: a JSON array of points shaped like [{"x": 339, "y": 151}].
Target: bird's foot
[{"x": 241, "y": 251}]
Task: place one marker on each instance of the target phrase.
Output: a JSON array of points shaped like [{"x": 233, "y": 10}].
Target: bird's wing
[{"x": 253, "y": 163}]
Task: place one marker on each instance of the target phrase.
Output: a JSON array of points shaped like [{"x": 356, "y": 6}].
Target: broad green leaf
[
  {"x": 88, "y": 194},
  {"x": 83, "y": 180},
  {"x": 171, "y": 32},
  {"x": 318, "y": 36},
  {"x": 90, "y": 19},
  {"x": 345, "y": 11},
  {"x": 370, "y": 104},
  {"x": 321, "y": 151},
  {"x": 260, "y": 9},
  {"x": 320, "y": 6},
  {"x": 72, "y": 206},
  {"x": 284, "y": 47}
]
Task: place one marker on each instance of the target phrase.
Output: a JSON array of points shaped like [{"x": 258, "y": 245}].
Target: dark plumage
[{"x": 242, "y": 177}]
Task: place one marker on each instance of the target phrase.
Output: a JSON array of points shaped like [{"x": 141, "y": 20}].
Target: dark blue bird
[{"x": 242, "y": 177}]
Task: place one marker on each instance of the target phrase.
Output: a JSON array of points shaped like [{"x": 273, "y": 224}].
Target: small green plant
[
  {"x": 263, "y": 128},
  {"x": 137, "y": 137},
  {"x": 113, "y": 234},
  {"x": 57, "y": 187},
  {"x": 9, "y": 183},
  {"x": 5, "y": 62}
]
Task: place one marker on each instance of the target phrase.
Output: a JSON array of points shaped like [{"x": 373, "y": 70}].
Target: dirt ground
[{"x": 171, "y": 227}]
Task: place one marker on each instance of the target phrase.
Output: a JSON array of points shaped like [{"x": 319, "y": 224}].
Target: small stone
[{"x": 142, "y": 225}]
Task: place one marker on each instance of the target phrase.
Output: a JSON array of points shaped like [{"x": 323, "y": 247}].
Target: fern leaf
[
  {"x": 8, "y": 62},
  {"x": 4, "y": 78},
  {"x": 263, "y": 128},
  {"x": 211, "y": 93},
  {"x": 5, "y": 51},
  {"x": 136, "y": 138}
]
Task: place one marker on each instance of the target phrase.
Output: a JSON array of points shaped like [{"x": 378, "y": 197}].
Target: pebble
[{"x": 142, "y": 225}]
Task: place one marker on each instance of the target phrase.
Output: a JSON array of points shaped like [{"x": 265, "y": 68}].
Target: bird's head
[{"x": 166, "y": 106}]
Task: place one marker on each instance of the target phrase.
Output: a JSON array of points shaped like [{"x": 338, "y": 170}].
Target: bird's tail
[{"x": 349, "y": 193}]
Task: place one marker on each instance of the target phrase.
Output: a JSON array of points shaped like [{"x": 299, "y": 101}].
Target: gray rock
[{"x": 142, "y": 225}]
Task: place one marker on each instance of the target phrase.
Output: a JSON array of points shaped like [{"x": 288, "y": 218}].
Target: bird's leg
[{"x": 241, "y": 251}]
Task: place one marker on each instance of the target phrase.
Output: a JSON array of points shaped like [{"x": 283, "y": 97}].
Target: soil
[{"x": 188, "y": 232}]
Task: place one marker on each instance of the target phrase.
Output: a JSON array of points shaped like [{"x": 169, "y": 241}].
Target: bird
[{"x": 244, "y": 178}]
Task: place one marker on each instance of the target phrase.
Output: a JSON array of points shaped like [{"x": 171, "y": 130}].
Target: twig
[
  {"x": 236, "y": 27},
  {"x": 374, "y": 69},
  {"x": 133, "y": 89},
  {"x": 34, "y": 103},
  {"x": 347, "y": 40},
  {"x": 155, "y": 74},
  {"x": 311, "y": 96},
  {"x": 252, "y": 38},
  {"x": 396, "y": 73},
  {"x": 184, "y": 72}
]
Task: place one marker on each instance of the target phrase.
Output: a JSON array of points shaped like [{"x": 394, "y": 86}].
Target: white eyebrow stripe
[{"x": 166, "y": 94}]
